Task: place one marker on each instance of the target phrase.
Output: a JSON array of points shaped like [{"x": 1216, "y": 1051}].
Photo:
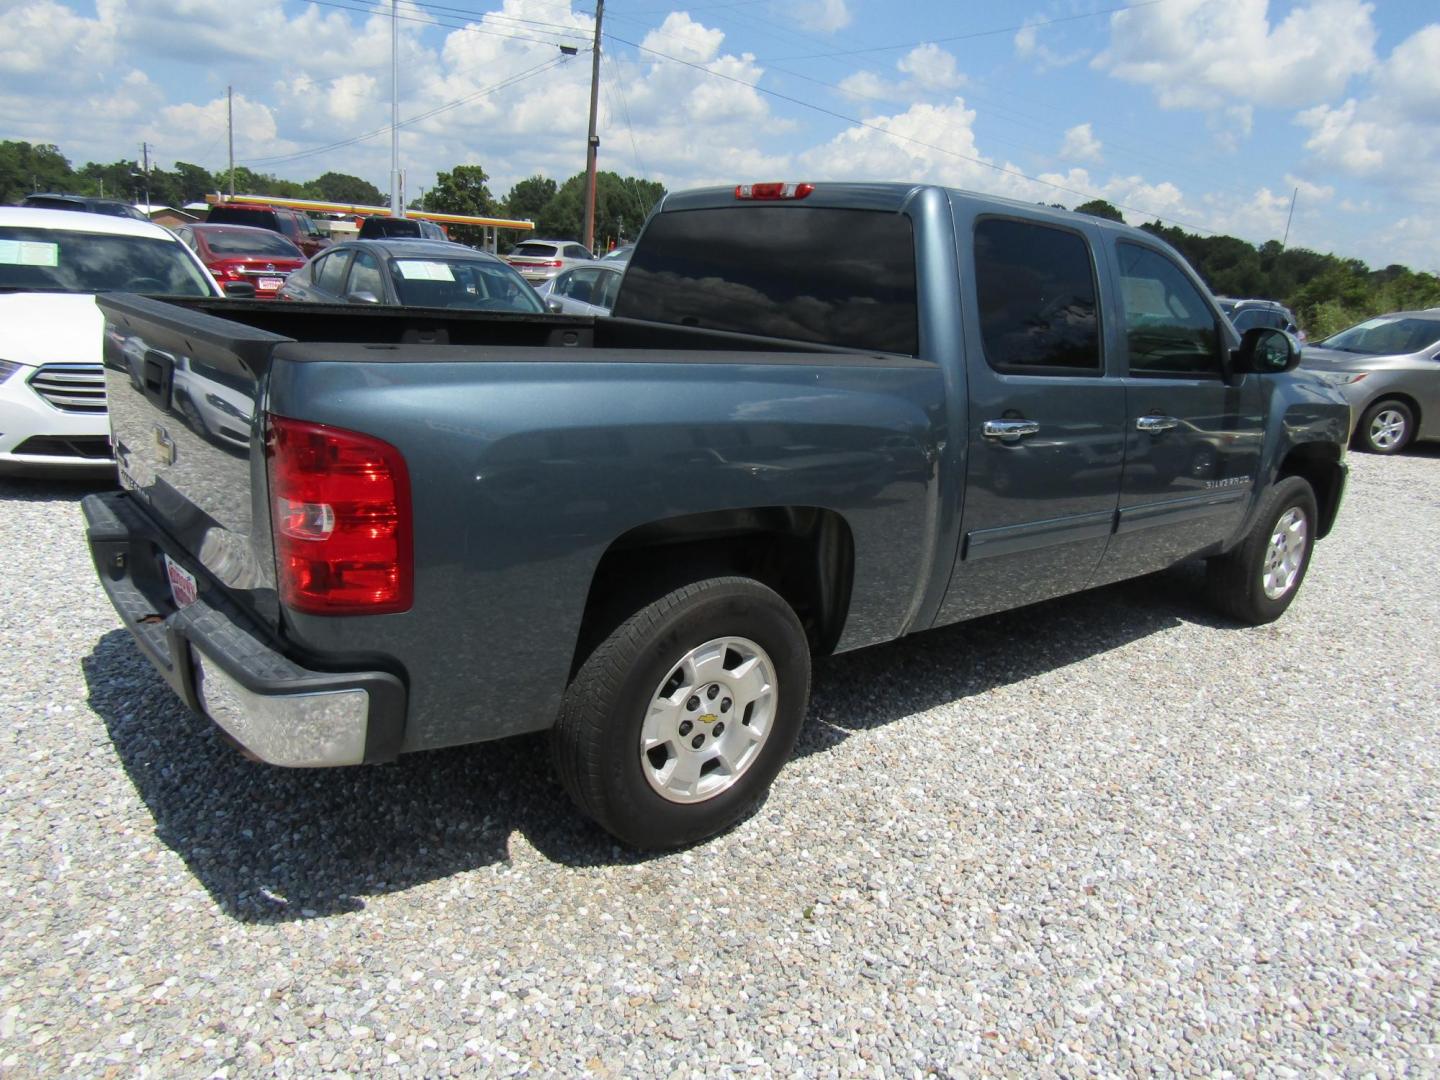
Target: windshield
[
  {"x": 534, "y": 251},
  {"x": 463, "y": 283},
  {"x": 256, "y": 243},
  {"x": 1386, "y": 336},
  {"x": 46, "y": 260}
]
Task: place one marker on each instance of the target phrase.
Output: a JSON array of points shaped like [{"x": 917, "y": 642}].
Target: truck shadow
[
  {"x": 45, "y": 489},
  {"x": 895, "y": 680},
  {"x": 272, "y": 845}
]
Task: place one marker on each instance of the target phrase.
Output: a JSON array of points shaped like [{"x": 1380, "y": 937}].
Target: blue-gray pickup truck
[{"x": 821, "y": 417}]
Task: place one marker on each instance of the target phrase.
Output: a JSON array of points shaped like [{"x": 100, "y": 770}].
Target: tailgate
[{"x": 184, "y": 390}]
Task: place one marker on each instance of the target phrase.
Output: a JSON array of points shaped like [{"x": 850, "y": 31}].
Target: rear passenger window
[
  {"x": 1036, "y": 288},
  {"x": 1169, "y": 329},
  {"x": 331, "y": 272}
]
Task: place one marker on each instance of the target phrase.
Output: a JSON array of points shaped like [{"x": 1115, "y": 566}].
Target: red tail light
[
  {"x": 773, "y": 191},
  {"x": 228, "y": 271},
  {"x": 340, "y": 502}
]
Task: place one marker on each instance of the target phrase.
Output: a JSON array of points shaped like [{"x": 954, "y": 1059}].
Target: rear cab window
[{"x": 837, "y": 277}]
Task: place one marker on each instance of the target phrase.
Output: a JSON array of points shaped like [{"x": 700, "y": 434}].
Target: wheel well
[
  {"x": 805, "y": 554},
  {"x": 1319, "y": 465}
]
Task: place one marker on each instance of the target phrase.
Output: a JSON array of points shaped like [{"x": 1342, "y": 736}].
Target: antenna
[{"x": 1289, "y": 219}]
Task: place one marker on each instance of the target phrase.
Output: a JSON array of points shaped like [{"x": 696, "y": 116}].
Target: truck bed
[{"x": 535, "y": 445}]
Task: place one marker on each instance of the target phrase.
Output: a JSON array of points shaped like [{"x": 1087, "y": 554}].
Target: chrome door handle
[
  {"x": 1156, "y": 424},
  {"x": 1009, "y": 430}
]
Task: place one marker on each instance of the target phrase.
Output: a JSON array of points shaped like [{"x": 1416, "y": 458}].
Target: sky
[{"x": 1207, "y": 114}]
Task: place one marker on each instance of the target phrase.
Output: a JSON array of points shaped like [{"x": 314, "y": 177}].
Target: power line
[
  {"x": 1087, "y": 195},
  {"x": 502, "y": 85},
  {"x": 435, "y": 20},
  {"x": 973, "y": 35}
]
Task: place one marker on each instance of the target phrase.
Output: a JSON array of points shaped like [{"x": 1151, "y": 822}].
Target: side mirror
[
  {"x": 363, "y": 297},
  {"x": 240, "y": 290},
  {"x": 554, "y": 306},
  {"x": 1266, "y": 351}
]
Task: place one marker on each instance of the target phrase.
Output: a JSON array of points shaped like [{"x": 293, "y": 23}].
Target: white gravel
[{"x": 1110, "y": 834}]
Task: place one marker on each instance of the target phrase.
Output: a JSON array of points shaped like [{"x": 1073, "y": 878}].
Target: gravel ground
[{"x": 1111, "y": 834}]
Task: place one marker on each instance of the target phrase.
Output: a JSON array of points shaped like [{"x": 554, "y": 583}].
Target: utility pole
[
  {"x": 592, "y": 145},
  {"x": 1289, "y": 219},
  {"x": 230, "y": 127},
  {"x": 145, "y": 154},
  {"x": 397, "y": 207}
]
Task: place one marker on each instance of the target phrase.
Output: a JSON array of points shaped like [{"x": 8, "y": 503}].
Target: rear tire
[
  {"x": 1385, "y": 428},
  {"x": 1257, "y": 581},
  {"x": 675, "y": 726}
]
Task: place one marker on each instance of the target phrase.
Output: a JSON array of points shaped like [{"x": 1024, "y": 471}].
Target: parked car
[
  {"x": 291, "y": 224},
  {"x": 585, "y": 290},
  {"x": 411, "y": 273},
  {"x": 52, "y": 388},
  {"x": 1247, "y": 313},
  {"x": 541, "y": 260},
  {"x": 825, "y": 416},
  {"x": 400, "y": 228},
  {"x": 244, "y": 254},
  {"x": 83, "y": 203},
  {"x": 1388, "y": 368}
]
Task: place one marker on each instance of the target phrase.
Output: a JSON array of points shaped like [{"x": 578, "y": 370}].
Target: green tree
[
  {"x": 343, "y": 188},
  {"x": 529, "y": 197},
  {"x": 1101, "y": 209},
  {"x": 117, "y": 179},
  {"x": 621, "y": 206},
  {"x": 193, "y": 182},
  {"x": 462, "y": 190},
  {"x": 29, "y": 167}
]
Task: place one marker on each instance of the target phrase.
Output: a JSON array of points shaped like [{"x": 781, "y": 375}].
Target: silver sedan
[
  {"x": 585, "y": 290},
  {"x": 1388, "y": 368}
]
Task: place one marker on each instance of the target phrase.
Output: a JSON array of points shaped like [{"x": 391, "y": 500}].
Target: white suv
[
  {"x": 540, "y": 260},
  {"x": 52, "y": 384}
]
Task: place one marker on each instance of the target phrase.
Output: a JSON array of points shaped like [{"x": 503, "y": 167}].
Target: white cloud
[
  {"x": 1080, "y": 144},
  {"x": 46, "y": 38},
  {"x": 1199, "y": 54},
  {"x": 931, "y": 68},
  {"x": 928, "y": 69},
  {"x": 827, "y": 16},
  {"x": 1388, "y": 135},
  {"x": 1028, "y": 46},
  {"x": 685, "y": 39}
]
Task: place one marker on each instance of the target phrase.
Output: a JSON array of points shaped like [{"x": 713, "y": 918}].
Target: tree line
[
  {"x": 621, "y": 203},
  {"x": 1326, "y": 292}
]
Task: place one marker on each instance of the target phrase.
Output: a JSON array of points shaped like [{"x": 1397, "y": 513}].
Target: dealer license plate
[
  {"x": 270, "y": 284},
  {"x": 183, "y": 586}
]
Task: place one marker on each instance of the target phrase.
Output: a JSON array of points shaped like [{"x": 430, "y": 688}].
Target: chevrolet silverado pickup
[{"x": 822, "y": 416}]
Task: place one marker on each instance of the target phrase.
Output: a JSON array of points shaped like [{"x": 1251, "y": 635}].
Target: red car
[
  {"x": 291, "y": 224},
  {"x": 234, "y": 253}
]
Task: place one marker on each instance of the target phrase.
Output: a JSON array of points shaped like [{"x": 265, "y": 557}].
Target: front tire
[
  {"x": 675, "y": 726},
  {"x": 1257, "y": 581},
  {"x": 1385, "y": 428}
]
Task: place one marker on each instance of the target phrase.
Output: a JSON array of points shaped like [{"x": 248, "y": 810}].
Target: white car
[
  {"x": 585, "y": 290},
  {"x": 52, "y": 384},
  {"x": 540, "y": 260}
]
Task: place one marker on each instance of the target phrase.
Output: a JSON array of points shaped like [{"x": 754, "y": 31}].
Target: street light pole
[
  {"x": 396, "y": 209},
  {"x": 592, "y": 144}
]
